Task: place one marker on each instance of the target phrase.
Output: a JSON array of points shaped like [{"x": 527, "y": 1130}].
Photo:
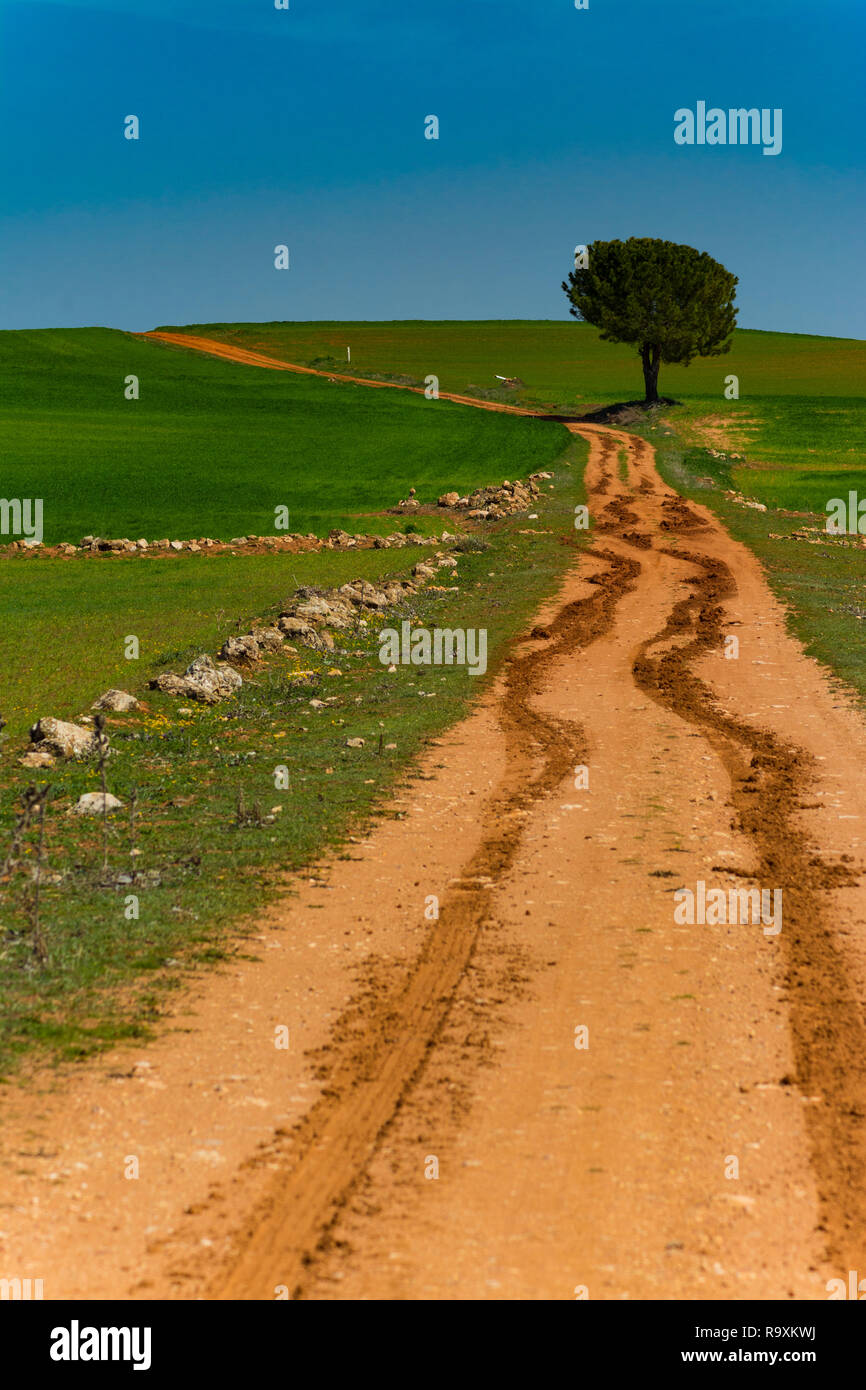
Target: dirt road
[
  {"x": 214, "y": 348},
  {"x": 556, "y": 1089}
]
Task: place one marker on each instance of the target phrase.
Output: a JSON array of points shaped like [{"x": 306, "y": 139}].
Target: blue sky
[{"x": 306, "y": 127}]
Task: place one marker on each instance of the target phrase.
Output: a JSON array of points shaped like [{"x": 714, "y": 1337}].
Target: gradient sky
[{"x": 306, "y": 127}]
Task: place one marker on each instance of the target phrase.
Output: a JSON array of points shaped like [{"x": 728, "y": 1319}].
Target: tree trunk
[{"x": 650, "y": 356}]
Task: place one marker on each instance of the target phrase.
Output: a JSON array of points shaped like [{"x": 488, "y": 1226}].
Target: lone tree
[{"x": 672, "y": 302}]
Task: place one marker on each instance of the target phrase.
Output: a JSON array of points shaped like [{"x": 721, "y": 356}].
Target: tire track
[
  {"x": 769, "y": 780},
  {"x": 333, "y": 1145},
  {"x": 769, "y": 777}
]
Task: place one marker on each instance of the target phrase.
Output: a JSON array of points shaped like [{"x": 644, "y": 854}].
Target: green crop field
[
  {"x": 563, "y": 363},
  {"x": 799, "y": 418},
  {"x": 211, "y": 449}
]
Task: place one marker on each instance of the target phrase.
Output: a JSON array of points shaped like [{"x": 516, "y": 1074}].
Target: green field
[
  {"x": 563, "y": 363},
  {"x": 211, "y": 449},
  {"x": 63, "y": 622},
  {"x": 799, "y": 416}
]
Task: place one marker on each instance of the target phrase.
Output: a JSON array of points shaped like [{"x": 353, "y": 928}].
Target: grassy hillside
[
  {"x": 63, "y": 623},
  {"x": 210, "y": 449},
  {"x": 799, "y": 417},
  {"x": 559, "y": 362}
]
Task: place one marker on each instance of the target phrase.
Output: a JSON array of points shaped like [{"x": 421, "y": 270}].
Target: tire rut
[
  {"x": 769, "y": 780},
  {"x": 324, "y": 1160}
]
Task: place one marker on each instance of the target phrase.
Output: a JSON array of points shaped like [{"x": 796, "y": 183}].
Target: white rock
[
  {"x": 96, "y": 804},
  {"x": 36, "y": 759},
  {"x": 240, "y": 649},
  {"x": 119, "y": 700},
  {"x": 62, "y": 739},
  {"x": 201, "y": 680}
]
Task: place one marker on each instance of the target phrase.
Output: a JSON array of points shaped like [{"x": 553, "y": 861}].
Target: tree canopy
[{"x": 672, "y": 302}]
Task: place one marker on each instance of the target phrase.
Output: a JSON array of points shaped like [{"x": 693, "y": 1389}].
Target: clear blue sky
[{"x": 305, "y": 127}]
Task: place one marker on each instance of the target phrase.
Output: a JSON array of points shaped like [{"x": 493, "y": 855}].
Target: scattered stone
[
  {"x": 295, "y": 627},
  {"x": 96, "y": 804},
  {"x": 117, "y": 700},
  {"x": 242, "y": 649},
  {"x": 63, "y": 740},
  {"x": 339, "y": 539},
  {"x": 201, "y": 680},
  {"x": 36, "y": 759},
  {"x": 355, "y": 742},
  {"x": 321, "y": 611}
]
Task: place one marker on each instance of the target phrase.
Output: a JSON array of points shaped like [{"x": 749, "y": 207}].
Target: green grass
[
  {"x": 63, "y": 623},
  {"x": 795, "y": 451},
  {"x": 799, "y": 419},
  {"x": 201, "y": 872},
  {"x": 211, "y": 449},
  {"x": 560, "y": 363}
]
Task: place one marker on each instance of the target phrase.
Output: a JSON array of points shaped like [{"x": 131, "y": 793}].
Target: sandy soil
[{"x": 554, "y": 1089}]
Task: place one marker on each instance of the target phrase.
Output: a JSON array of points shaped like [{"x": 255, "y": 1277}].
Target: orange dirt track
[{"x": 449, "y": 1046}]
